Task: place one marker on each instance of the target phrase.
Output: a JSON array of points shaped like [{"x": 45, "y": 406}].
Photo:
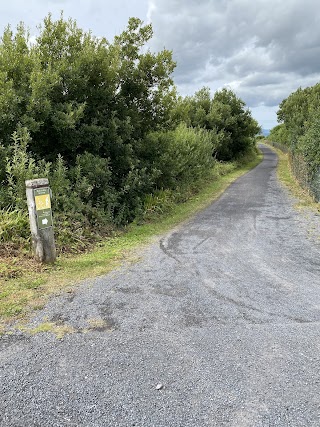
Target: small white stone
[{"x": 159, "y": 386}]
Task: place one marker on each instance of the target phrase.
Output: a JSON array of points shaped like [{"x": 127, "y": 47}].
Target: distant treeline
[
  {"x": 103, "y": 121},
  {"x": 300, "y": 132}
]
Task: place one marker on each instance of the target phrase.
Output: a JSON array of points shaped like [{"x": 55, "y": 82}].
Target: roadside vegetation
[
  {"x": 123, "y": 152},
  {"x": 26, "y": 285},
  {"x": 304, "y": 199},
  {"x": 299, "y": 134}
]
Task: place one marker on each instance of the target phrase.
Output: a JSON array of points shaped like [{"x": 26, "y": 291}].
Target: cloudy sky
[{"x": 262, "y": 49}]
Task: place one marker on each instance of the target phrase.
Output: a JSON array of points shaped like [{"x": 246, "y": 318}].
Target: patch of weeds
[
  {"x": 9, "y": 269},
  {"x": 37, "y": 305},
  {"x": 4, "y": 294},
  {"x": 10, "y": 309},
  {"x": 97, "y": 324},
  {"x": 14, "y": 227},
  {"x": 59, "y": 330},
  {"x": 16, "y": 295},
  {"x": 32, "y": 284},
  {"x": 43, "y": 327},
  {"x": 14, "y": 267}
]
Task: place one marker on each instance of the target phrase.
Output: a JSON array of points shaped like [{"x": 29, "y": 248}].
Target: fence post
[{"x": 40, "y": 215}]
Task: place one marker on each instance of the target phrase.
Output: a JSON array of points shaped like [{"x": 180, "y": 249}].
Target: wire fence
[{"x": 301, "y": 170}]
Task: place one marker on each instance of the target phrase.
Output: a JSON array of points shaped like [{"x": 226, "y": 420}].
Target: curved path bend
[{"x": 218, "y": 324}]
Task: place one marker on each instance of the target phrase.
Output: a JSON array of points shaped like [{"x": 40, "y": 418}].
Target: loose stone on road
[{"x": 218, "y": 324}]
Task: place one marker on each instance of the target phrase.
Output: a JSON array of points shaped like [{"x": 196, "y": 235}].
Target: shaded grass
[{"x": 29, "y": 291}]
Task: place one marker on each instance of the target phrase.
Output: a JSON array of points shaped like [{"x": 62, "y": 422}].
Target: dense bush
[
  {"x": 179, "y": 156},
  {"x": 225, "y": 116},
  {"x": 76, "y": 93},
  {"x": 102, "y": 121},
  {"x": 299, "y": 130},
  {"x": 14, "y": 226},
  {"x": 279, "y": 134},
  {"x": 298, "y": 110},
  {"x": 309, "y": 147},
  {"x": 20, "y": 166}
]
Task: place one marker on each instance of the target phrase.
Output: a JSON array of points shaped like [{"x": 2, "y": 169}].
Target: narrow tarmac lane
[{"x": 224, "y": 313}]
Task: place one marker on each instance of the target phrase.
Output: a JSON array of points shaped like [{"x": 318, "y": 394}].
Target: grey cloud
[
  {"x": 269, "y": 96},
  {"x": 263, "y": 49},
  {"x": 273, "y": 90},
  {"x": 262, "y": 80}
]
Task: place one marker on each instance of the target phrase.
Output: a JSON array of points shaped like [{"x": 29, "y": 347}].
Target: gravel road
[{"x": 217, "y": 324}]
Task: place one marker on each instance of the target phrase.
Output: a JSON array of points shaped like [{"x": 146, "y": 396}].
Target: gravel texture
[{"x": 217, "y": 324}]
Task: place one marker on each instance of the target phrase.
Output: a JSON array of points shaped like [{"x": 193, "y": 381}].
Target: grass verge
[
  {"x": 20, "y": 296},
  {"x": 303, "y": 197}
]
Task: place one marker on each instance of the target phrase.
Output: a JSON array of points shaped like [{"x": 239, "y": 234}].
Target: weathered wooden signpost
[{"x": 40, "y": 215}]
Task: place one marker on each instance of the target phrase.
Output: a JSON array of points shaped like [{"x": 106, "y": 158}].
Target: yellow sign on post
[
  {"x": 43, "y": 202},
  {"x": 43, "y": 207}
]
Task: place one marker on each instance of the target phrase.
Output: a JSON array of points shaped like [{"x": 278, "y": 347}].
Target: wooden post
[{"x": 40, "y": 215}]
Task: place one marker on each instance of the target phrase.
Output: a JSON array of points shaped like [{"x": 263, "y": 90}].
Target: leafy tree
[
  {"x": 225, "y": 116},
  {"x": 178, "y": 157},
  {"x": 78, "y": 93},
  {"x": 300, "y": 114},
  {"x": 193, "y": 110},
  {"x": 296, "y": 110},
  {"x": 16, "y": 64},
  {"x": 145, "y": 88},
  {"x": 279, "y": 134},
  {"x": 293, "y": 113},
  {"x": 309, "y": 143},
  {"x": 230, "y": 117}
]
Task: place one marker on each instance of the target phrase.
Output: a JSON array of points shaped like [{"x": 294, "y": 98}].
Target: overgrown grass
[
  {"x": 29, "y": 291},
  {"x": 303, "y": 197}
]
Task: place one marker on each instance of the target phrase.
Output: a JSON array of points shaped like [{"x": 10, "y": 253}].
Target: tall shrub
[
  {"x": 180, "y": 156},
  {"x": 20, "y": 166}
]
